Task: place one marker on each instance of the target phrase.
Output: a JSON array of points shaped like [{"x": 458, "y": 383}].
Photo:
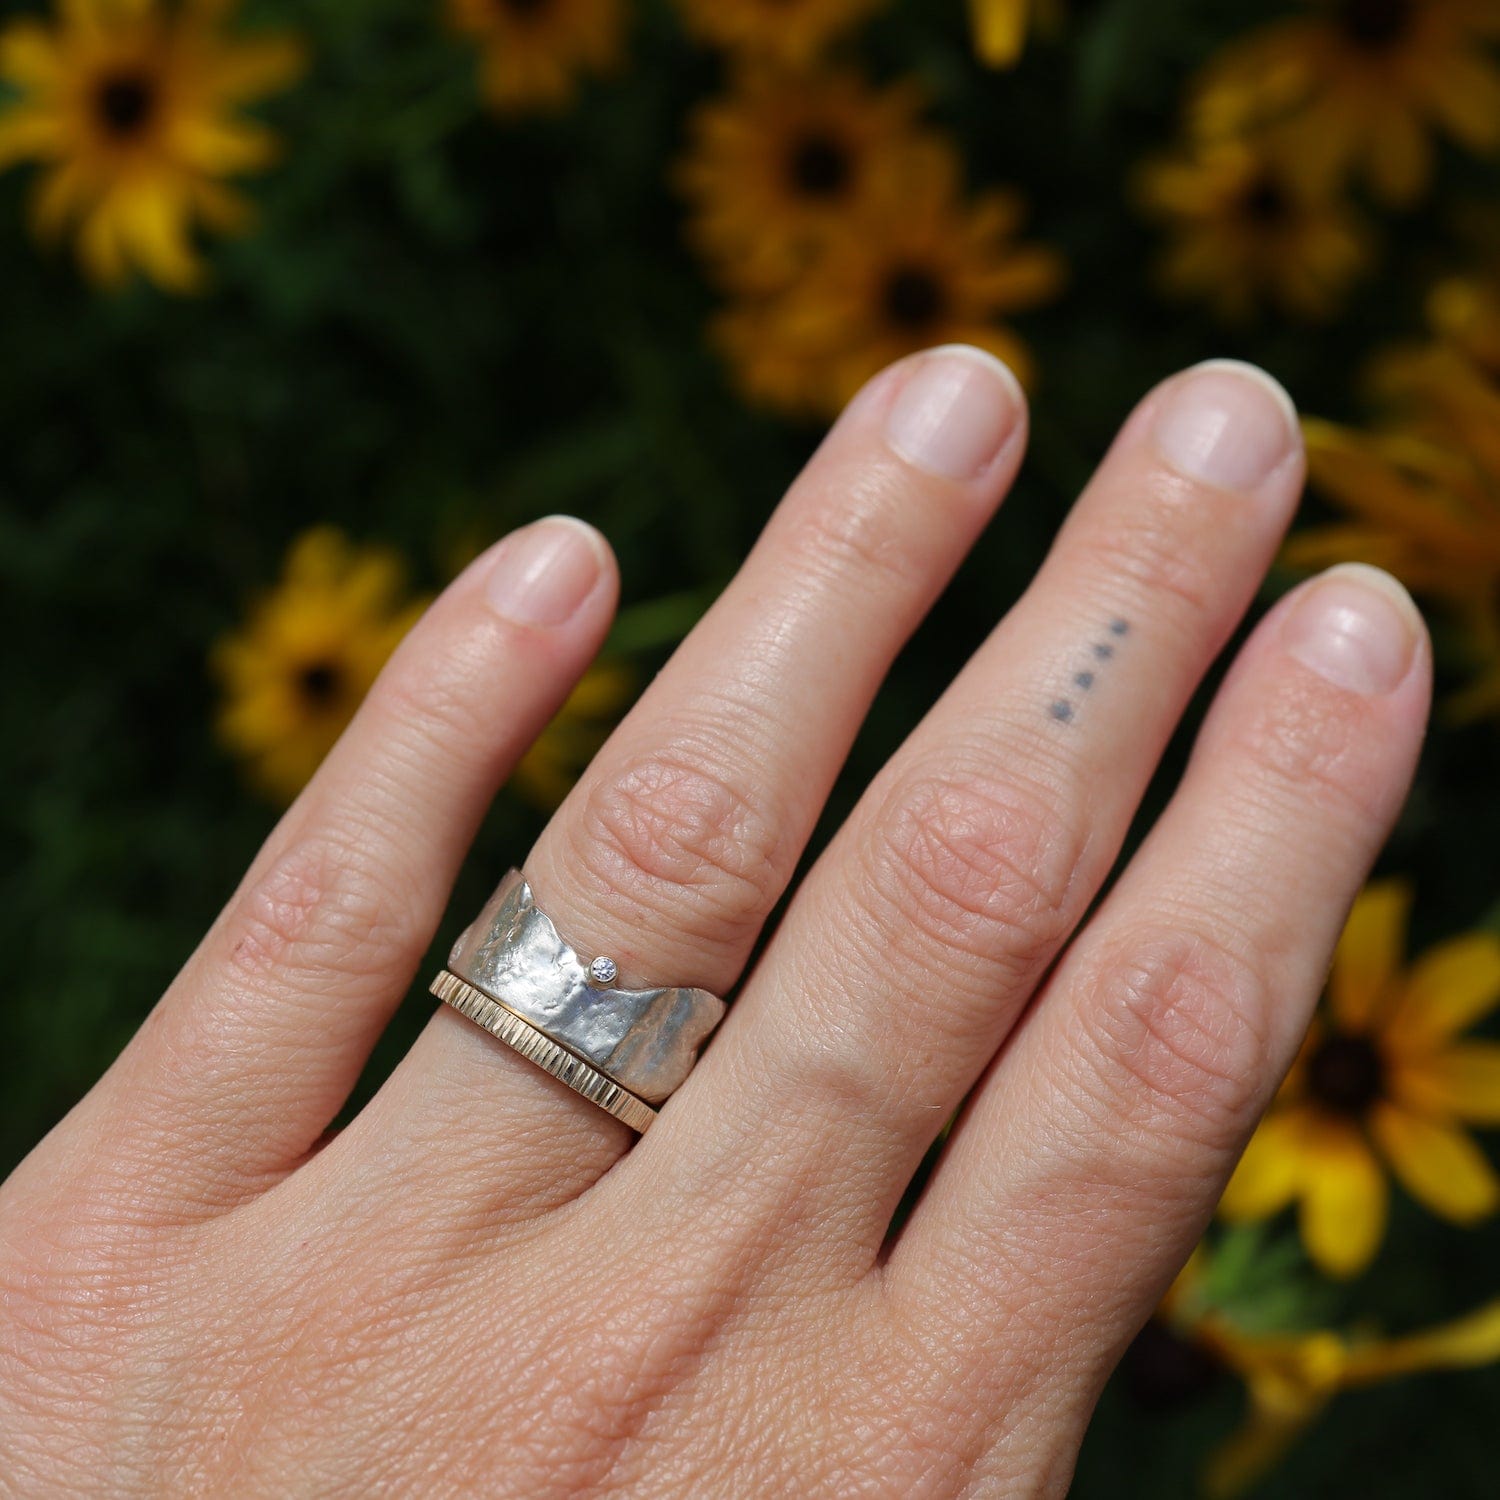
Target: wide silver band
[{"x": 644, "y": 1041}]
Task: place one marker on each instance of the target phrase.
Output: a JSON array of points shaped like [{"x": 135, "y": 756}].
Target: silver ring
[{"x": 511, "y": 973}]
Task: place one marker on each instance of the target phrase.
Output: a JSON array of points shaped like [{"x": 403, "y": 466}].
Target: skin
[{"x": 484, "y": 1283}]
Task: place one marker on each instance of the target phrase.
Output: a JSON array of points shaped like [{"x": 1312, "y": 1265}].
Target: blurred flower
[
  {"x": 1423, "y": 503},
  {"x": 549, "y": 768},
  {"x": 1193, "y": 1342},
  {"x": 786, "y": 160},
  {"x": 294, "y": 673},
  {"x": 132, "y": 107},
  {"x": 533, "y": 51},
  {"x": 1383, "y": 1074},
  {"x": 1360, "y": 85},
  {"x": 938, "y": 271},
  {"x": 788, "y": 30},
  {"x": 1249, "y": 226}
]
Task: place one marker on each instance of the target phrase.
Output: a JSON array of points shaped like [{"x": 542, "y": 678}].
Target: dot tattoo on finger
[{"x": 1064, "y": 709}]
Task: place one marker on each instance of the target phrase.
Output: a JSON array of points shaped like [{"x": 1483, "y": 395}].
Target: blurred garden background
[{"x": 302, "y": 305}]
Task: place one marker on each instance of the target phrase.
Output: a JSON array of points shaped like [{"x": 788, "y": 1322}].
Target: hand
[{"x": 484, "y": 1283}]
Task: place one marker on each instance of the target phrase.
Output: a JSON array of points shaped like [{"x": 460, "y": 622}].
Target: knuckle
[
  {"x": 681, "y": 822},
  {"x": 857, "y": 538},
  {"x": 1155, "y": 544},
  {"x": 1176, "y": 1029},
  {"x": 435, "y": 706},
  {"x": 324, "y": 907},
  {"x": 977, "y": 865},
  {"x": 1306, "y": 744}
]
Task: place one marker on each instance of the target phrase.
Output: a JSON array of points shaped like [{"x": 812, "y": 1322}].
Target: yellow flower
[
  {"x": 132, "y": 106},
  {"x": 1360, "y": 85},
  {"x": 533, "y": 51},
  {"x": 549, "y": 768},
  {"x": 1288, "y": 1377},
  {"x": 294, "y": 673},
  {"x": 1425, "y": 504},
  {"x": 1384, "y": 1077},
  {"x": 788, "y": 30},
  {"x": 788, "y": 159},
  {"x": 937, "y": 271},
  {"x": 1249, "y": 226}
]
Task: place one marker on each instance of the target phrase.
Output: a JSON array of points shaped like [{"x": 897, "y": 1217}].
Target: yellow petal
[
  {"x": 1450, "y": 987},
  {"x": 1270, "y": 1171},
  {"x": 999, "y": 30},
  {"x": 28, "y": 134},
  {"x": 60, "y": 197},
  {"x": 1249, "y": 1454},
  {"x": 1466, "y": 1343},
  {"x": 1344, "y": 1200},
  {"x": 29, "y": 57},
  {"x": 1369, "y": 953},
  {"x": 1439, "y": 1165},
  {"x": 154, "y": 226},
  {"x": 1461, "y": 1080},
  {"x": 1399, "y": 158},
  {"x": 246, "y": 70},
  {"x": 100, "y": 249}
]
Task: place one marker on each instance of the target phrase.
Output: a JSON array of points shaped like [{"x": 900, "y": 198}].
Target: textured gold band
[{"x": 535, "y": 1045}]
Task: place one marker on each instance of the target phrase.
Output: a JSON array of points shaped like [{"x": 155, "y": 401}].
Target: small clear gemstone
[{"x": 603, "y": 970}]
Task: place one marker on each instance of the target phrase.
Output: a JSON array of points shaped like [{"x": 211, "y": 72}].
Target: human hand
[{"x": 481, "y": 1284}]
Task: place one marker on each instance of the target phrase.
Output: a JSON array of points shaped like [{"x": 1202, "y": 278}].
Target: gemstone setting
[{"x": 603, "y": 970}]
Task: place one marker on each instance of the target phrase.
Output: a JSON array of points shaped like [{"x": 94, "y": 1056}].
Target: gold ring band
[{"x": 539, "y": 1048}]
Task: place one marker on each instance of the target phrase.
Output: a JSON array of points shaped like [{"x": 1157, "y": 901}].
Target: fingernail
[
  {"x": 955, "y": 412},
  {"x": 1226, "y": 423},
  {"x": 544, "y": 572},
  {"x": 1357, "y": 627}
]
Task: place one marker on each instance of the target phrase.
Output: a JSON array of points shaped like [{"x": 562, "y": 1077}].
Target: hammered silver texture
[{"x": 645, "y": 1040}]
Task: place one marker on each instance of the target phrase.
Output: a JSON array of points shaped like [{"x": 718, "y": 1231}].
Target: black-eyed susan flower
[
  {"x": 942, "y": 270},
  {"x": 1197, "y": 1340},
  {"x": 787, "y": 30},
  {"x": 787, "y": 159},
  {"x": 1424, "y": 503},
  {"x": 547, "y": 771},
  {"x": 1385, "y": 1079},
  {"x": 132, "y": 109},
  {"x": 1248, "y": 227},
  {"x": 1360, "y": 86},
  {"x": 295, "y": 671},
  {"x": 533, "y": 52}
]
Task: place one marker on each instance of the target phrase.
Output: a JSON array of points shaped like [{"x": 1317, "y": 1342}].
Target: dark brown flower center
[
  {"x": 524, "y": 8},
  {"x": 1164, "y": 1372},
  {"x": 1265, "y": 202},
  {"x": 1346, "y": 1074},
  {"x": 820, "y": 167},
  {"x": 1376, "y": 25},
  {"x": 320, "y": 683},
  {"x": 914, "y": 298},
  {"x": 125, "y": 102}
]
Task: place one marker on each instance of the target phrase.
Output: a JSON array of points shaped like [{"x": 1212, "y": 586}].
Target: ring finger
[{"x": 680, "y": 838}]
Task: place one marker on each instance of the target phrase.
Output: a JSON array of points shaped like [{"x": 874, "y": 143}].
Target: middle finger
[{"x": 914, "y": 943}]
